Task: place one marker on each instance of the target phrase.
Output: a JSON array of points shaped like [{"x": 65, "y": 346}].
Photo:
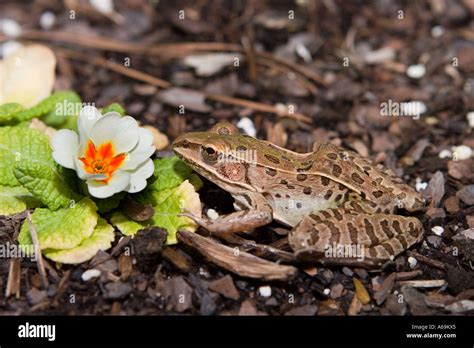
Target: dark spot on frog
[
  {"x": 328, "y": 195},
  {"x": 298, "y": 205},
  {"x": 324, "y": 181},
  {"x": 270, "y": 171},
  {"x": 338, "y": 197},
  {"x": 283, "y": 182},
  {"x": 336, "y": 170},
  {"x": 332, "y": 156},
  {"x": 402, "y": 195},
  {"x": 301, "y": 177},
  {"x": 290, "y": 187},
  {"x": 356, "y": 177},
  {"x": 307, "y": 190},
  {"x": 377, "y": 194},
  {"x": 287, "y": 196},
  {"x": 241, "y": 148},
  {"x": 272, "y": 158},
  {"x": 278, "y": 195}
]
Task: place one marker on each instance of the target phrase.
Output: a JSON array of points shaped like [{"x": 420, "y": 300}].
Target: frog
[{"x": 342, "y": 208}]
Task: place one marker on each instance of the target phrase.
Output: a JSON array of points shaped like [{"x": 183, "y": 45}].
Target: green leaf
[
  {"x": 65, "y": 111},
  {"x": 170, "y": 172},
  {"x": 126, "y": 225},
  {"x": 65, "y": 228},
  {"x": 101, "y": 239},
  {"x": 12, "y": 200},
  {"x": 8, "y": 111},
  {"x": 168, "y": 204},
  {"x": 22, "y": 144},
  {"x": 45, "y": 183},
  {"x": 114, "y": 107}
]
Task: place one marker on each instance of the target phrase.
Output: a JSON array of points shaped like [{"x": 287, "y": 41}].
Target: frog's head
[{"x": 217, "y": 155}]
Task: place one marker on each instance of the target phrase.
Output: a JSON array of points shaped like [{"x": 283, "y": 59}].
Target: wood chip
[
  {"x": 361, "y": 291},
  {"x": 238, "y": 262},
  {"x": 176, "y": 258},
  {"x": 434, "y": 283},
  {"x": 14, "y": 277},
  {"x": 125, "y": 266},
  {"x": 355, "y": 306}
]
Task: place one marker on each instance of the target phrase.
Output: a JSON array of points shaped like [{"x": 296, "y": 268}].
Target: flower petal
[
  {"x": 121, "y": 131},
  {"x": 88, "y": 116},
  {"x": 138, "y": 177},
  {"x": 142, "y": 151},
  {"x": 119, "y": 181},
  {"x": 65, "y": 144}
]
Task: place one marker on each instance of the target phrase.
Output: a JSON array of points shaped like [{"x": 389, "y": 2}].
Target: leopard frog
[{"x": 336, "y": 201}]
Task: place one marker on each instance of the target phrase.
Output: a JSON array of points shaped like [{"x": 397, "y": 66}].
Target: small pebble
[
  {"x": 461, "y": 152},
  {"x": 438, "y": 230},
  {"x": 326, "y": 291},
  {"x": 412, "y": 262},
  {"x": 103, "y": 6},
  {"x": 90, "y": 274},
  {"x": 420, "y": 185},
  {"x": 265, "y": 291},
  {"x": 347, "y": 271},
  {"x": 47, "y": 20},
  {"x": 247, "y": 126},
  {"x": 437, "y": 31},
  {"x": 445, "y": 154},
  {"x": 416, "y": 71},
  {"x": 10, "y": 27},
  {"x": 212, "y": 214},
  {"x": 470, "y": 119}
]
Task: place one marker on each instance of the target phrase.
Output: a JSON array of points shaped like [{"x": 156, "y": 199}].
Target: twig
[
  {"x": 432, "y": 283},
  {"x": 427, "y": 260},
  {"x": 61, "y": 287},
  {"x": 38, "y": 255},
  {"x": 238, "y": 262},
  {"x": 13, "y": 282}
]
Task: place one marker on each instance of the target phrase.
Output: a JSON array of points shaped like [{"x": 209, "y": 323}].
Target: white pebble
[
  {"x": 420, "y": 185},
  {"x": 445, "y": 154},
  {"x": 412, "y": 262},
  {"x": 470, "y": 119},
  {"x": 90, "y": 274},
  {"x": 265, "y": 291},
  {"x": 212, "y": 214},
  {"x": 10, "y": 27},
  {"x": 438, "y": 230},
  {"x": 247, "y": 125},
  {"x": 416, "y": 71},
  {"x": 9, "y": 47},
  {"x": 461, "y": 152},
  {"x": 103, "y": 6},
  {"x": 47, "y": 20},
  {"x": 437, "y": 31},
  {"x": 326, "y": 291}
]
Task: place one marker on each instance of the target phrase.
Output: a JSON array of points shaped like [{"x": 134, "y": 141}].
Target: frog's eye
[{"x": 209, "y": 154}]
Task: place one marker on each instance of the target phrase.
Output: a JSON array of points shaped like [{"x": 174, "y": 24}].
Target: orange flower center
[{"x": 102, "y": 160}]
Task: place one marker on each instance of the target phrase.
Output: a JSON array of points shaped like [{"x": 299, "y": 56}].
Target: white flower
[{"x": 111, "y": 153}]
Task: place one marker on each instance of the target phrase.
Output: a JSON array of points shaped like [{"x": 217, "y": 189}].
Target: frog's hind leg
[{"x": 340, "y": 236}]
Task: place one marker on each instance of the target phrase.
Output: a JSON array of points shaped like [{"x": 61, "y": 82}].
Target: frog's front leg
[
  {"x": 243, "y": 220},
  {"x": 340, "y": 236}
]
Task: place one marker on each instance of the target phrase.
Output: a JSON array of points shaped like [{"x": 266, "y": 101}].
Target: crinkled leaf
[
  {"x": 114, "y": 107},
  {"x": 65, "y": 228},
  {"x": 47, "y": 105},
  {"x": 168, "y": 204},
  {"x": 171, "y": 172},
  {"x": 65, "y": 110},
  {"x": 101, "y": 239},
  {"x": 46, "y": 183},
  {"x": 22, "y": 144},
  {"x": 126, "y": 225},
  {"x": 14, "y": 200},
  {"x": 8, "y": 111}
]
